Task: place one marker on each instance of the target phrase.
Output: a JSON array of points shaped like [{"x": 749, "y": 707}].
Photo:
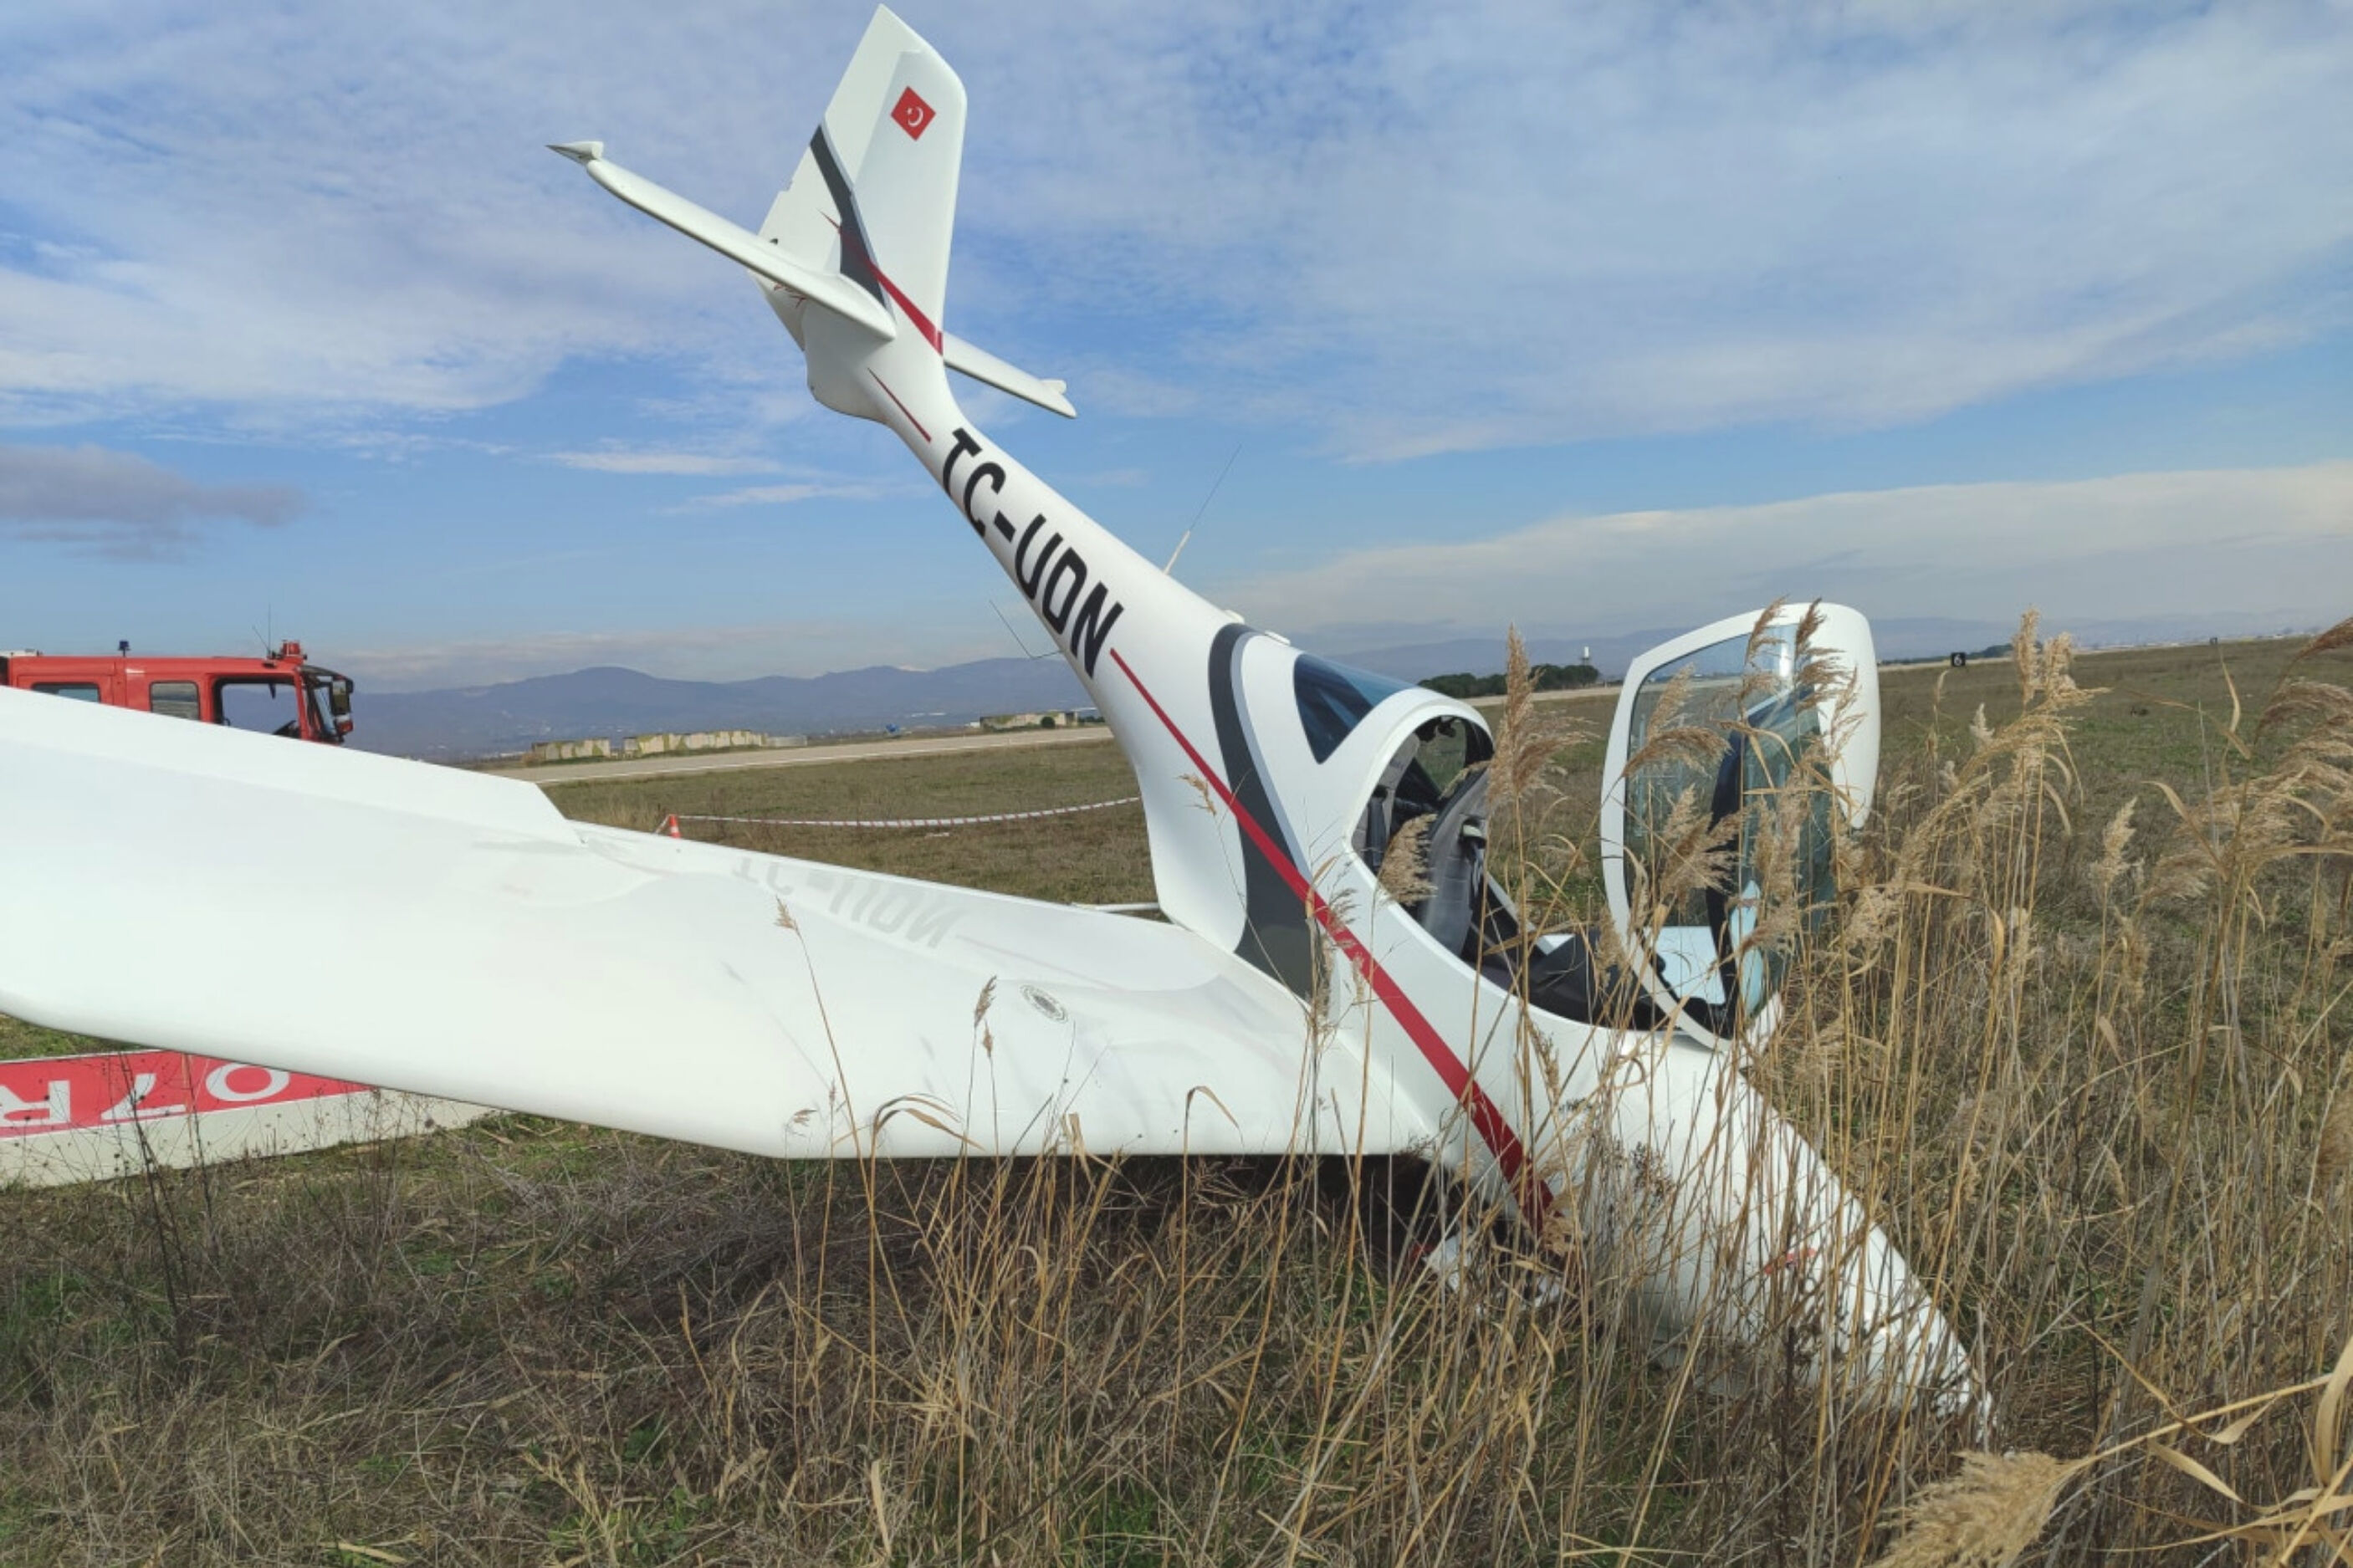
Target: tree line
[{"x": 1549, "y": 678}]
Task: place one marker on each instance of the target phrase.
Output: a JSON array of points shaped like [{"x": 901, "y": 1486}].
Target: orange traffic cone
[{"x": 670, "y": 826}]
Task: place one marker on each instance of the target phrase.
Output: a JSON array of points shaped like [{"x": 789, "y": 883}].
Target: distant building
[
  {"x": 601, "y": 748},
  {"x": 1056, "y": 719}
]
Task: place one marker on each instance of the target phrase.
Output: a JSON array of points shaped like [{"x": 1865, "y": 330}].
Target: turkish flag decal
[{"x": 913, "y": 115}]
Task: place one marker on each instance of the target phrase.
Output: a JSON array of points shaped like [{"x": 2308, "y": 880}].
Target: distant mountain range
[{"x": 494, "y": 721}]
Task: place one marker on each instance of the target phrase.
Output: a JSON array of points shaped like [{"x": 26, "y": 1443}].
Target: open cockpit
[
  {"x": 1430, "y": 808},
  {"x": 1733, "y": 753}
]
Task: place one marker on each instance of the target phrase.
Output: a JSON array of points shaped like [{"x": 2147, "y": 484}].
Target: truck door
[
  {"x": 270, "y": 704},
  {"x": 1735, "y": 751},
  {"x": 327, "y": 713}
]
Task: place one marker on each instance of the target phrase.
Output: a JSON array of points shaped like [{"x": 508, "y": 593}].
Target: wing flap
[{"x": 175, "y": 885}]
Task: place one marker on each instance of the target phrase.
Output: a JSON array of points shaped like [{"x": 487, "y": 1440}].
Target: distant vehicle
[{"x": 281, "y": 693}]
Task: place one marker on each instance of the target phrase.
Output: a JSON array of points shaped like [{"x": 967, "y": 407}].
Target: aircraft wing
[{"x": 171, "y": 884}]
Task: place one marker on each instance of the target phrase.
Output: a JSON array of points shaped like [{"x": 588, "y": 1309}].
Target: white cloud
[
  {"x": 1460, "y": 225},
  {"x": 785, "y": 494},
  {"x": 323, "y": 214},
  {"x": 120, "y": 504},
  {"x": 812, "y": 646},
  {"x": 2131, "y": 555},
  {"x": 1413, "y": 228},
  {"x": 2273, "y": 546},
  {"x": 692, "y": 464}
]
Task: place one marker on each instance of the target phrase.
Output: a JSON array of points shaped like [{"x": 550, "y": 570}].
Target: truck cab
[{"x": 280, "y": 693}]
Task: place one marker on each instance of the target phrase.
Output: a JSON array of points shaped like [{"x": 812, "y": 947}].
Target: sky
[{"x": 1593, "y": 318}]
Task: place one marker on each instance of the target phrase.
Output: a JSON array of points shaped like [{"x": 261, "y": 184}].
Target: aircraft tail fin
[
  {"x": 874, "y": 196},
  {"x": 862, "y": 231}
]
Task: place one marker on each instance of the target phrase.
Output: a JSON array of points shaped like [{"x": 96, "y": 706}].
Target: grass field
[
  {"x": 2093, "y": 1077},
  {"x": 1099, "y": 856}
]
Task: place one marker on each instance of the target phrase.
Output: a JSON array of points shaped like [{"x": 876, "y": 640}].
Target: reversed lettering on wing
[{"x": 906, "y": 911}]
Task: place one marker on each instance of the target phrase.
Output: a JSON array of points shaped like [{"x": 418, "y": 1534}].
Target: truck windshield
[{"x": 322, "y": 707}]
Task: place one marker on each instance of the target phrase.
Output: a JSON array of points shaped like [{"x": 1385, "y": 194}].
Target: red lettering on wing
[{"x": 63, "y": 1094}]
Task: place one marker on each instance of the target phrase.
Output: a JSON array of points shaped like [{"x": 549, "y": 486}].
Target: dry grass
[{"x": 2089, "y": 1067}]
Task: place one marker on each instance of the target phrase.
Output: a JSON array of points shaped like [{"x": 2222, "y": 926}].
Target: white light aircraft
[{"x": 460, "y": 938}]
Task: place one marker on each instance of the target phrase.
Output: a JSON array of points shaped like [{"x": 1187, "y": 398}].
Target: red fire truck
[{"x": 280, "y": 693}]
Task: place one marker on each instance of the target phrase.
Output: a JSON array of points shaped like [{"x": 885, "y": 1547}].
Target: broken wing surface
[{"x": 452, "y": 935}]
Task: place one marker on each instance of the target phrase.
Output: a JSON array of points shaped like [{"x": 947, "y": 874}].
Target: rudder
[{"x": 874, "y": 195}]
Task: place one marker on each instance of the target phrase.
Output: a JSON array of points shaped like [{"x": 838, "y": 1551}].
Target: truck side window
[
  {"x": 173, "y": 699},
  {"x": 79, "y": 690}
]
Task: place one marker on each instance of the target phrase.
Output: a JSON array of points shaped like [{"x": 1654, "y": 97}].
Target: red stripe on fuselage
[
  {"x": 1485, "y": 1116},
  {"x": 923, "y": 325},
  {"x": 893, "y": 397},
  {"x": 932, "y": 334}
]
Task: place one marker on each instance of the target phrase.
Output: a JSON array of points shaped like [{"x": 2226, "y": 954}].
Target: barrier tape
[{"x": 670, "y": 823}]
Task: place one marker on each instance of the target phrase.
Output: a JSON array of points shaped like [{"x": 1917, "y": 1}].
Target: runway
[{"x": 803, "y": 756}]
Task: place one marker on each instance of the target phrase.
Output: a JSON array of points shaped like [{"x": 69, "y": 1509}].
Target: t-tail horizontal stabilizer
[
  {"x": 733, "y": 241},
  {"x": 985, "y": 367},
  {"x": 779, "y": 265}
]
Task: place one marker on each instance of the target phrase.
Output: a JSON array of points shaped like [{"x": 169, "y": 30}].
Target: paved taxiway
[{"x": 803, "y": 756}]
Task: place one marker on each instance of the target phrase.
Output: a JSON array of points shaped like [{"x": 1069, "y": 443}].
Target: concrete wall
[
  {"x": 570, "y": 751},
  {"x": 703, "y": 741}
]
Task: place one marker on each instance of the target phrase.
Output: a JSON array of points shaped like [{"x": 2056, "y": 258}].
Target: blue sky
[{"x": 1595, "y": 317}]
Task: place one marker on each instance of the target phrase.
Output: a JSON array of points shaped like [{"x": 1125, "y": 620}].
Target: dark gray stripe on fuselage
[
  {"x": 857, "y": 256},
  {"x": 1274, "y": 931}
]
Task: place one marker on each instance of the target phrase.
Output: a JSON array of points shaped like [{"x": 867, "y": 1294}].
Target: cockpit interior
[
  {"x": 1742, "y": 775},
  {"x": 1440, "y": 773}
]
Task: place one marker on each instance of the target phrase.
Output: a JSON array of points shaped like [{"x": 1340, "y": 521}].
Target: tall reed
[{"x": 2090, "y": 1072}]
